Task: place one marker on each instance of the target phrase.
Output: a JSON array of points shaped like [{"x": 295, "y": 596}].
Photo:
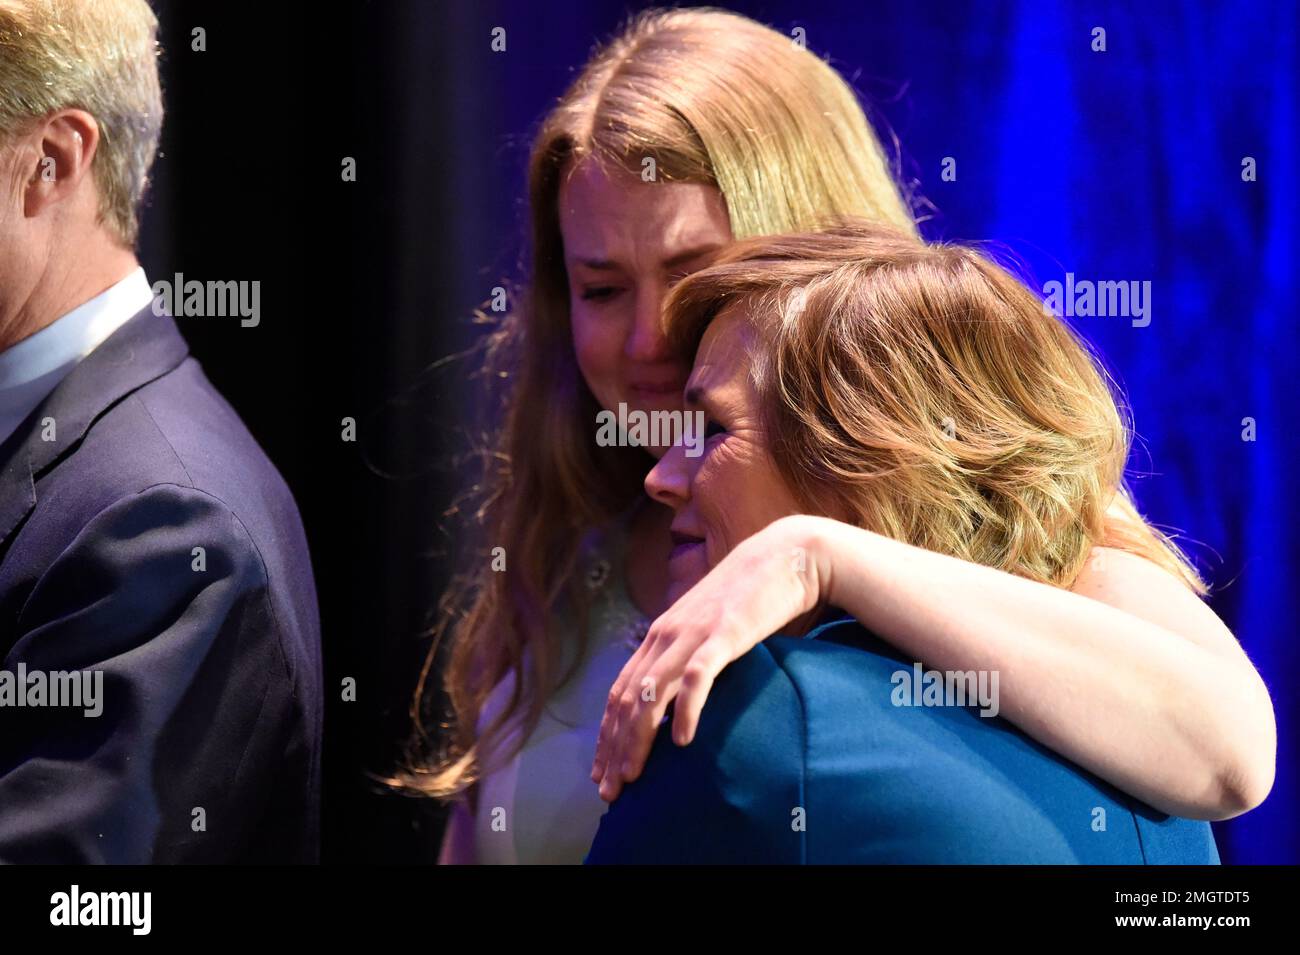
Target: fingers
[
  {"x": 608, "y": 735},
  {"x": 659, "y": 681},
  {"x": 611, "y": 783},
  {"x": 625, "y": 727},
  {"x": 641, "y": 733},
  {"x": 651, "y": 681},
  {"x": 619, "y": 706},
  {"x": 607, "y": 721},
  {"x": 739, "y": 603},
  {"x": 640, "y": 715},
  {"x": 696, "y": 683}
]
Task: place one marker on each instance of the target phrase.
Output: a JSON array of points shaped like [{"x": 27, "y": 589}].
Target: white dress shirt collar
[{"x": 32, "y": 368}]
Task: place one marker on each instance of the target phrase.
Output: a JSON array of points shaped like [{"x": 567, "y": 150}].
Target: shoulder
[
  {"x": 165, "y": 481},
  {"x": 167, "y": 542},
  {"x": 171, "y": 567},
  {"x": 729, "y": 795},
  {"x": 157, "y": 442},
  {"x": 178, "y": 432},
  {"x": 208, "y": 439},
  {"x": 1130, "y": 582}
]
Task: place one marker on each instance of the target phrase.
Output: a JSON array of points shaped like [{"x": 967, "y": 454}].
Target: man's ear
[{"x": 65, "y": 142}]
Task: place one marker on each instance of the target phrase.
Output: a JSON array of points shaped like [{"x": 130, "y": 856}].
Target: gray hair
[{"x": 96, "y": 55}]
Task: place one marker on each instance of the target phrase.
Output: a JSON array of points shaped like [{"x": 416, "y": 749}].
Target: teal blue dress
[{"x": 803, "y": 756}]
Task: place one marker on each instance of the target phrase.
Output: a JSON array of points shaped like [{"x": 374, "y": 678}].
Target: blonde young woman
[{"x": 688, "y": 131}]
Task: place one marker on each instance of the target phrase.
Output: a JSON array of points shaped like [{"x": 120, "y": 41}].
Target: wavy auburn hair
[
  {"x": 713, "y": 98},
  {"x": 922, "y": 392}
]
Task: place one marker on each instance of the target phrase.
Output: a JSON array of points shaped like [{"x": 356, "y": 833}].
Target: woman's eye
[{"x": 599, "y": 293}]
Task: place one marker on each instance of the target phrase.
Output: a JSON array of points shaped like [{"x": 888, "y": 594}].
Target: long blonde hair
[
  {"x": 714, "y": 98},
  {"x": 923, "y": 392}
]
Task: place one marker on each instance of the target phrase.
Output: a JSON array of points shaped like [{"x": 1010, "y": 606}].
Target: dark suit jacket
[
  {"x": 803, "y": 756},
  {"x": 208, "y": 745}
]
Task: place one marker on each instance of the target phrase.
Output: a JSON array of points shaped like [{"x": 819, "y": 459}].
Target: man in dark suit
[{"x": 160, "y": 683}]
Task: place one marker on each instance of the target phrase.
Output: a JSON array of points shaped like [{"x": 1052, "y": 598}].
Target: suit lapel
[{"x": 145, "y": 348}]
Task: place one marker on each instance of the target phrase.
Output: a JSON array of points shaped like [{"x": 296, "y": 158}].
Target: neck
[{"x": 74, "y": 277}]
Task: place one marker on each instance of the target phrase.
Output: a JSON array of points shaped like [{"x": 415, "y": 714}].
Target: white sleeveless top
[{"x": 542, "y": 807}]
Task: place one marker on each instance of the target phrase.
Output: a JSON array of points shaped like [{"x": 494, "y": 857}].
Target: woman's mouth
[
  {"x": 687, "y": 564},
  {"x": 683, "y": 545}
]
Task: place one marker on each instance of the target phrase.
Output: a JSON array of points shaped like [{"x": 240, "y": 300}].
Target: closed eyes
[{"x": 604, "y": 293}]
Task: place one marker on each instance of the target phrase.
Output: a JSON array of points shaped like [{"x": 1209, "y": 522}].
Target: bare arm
[{"x": 1129, "y": 675}]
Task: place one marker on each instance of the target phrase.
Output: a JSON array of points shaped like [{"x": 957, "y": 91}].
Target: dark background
[
  {"x": 248, "y": 185},
  {"x": 1116, "y": 165}
]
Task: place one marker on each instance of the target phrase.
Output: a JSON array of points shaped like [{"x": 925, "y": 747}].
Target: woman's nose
[
  {"x": 669, "y": 481},
  {"x": 647, "y": 343}
]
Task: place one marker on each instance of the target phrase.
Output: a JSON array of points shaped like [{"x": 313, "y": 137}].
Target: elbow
[
  {"x": 1235, "y": 758},
  {"x": 1245, "y": 776},
  {"x": 1232, "y": 796},
  {"x": 1246, "y": 787},
  {"x": 1222, "y": 795}
]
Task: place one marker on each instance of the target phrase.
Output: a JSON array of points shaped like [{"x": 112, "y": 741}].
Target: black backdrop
[{"x": 247, "y": 186}]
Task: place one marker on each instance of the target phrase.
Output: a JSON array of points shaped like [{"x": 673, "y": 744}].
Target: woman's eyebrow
[
  {"x": 681, "y": 258},
  {"x": 598, "y": 265}
]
